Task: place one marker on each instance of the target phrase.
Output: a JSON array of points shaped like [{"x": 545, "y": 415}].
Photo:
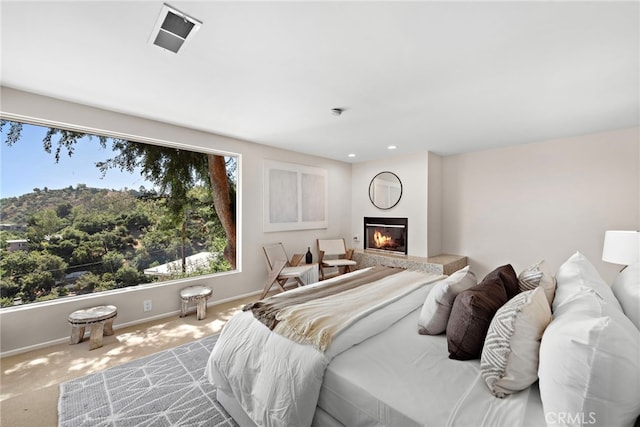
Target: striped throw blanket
[{"x": 315, "y": 315}]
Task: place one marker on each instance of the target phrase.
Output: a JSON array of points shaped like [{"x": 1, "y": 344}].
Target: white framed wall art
[{"x": 295, "y": 197}]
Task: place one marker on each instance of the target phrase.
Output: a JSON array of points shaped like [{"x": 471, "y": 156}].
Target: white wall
[
  {"x": 434, "y": 205},
  {"x": 28, "y": 326},
  {"x": 421, "y": 202},
  {"x": 512, "y": 205},
  {"x": 545, "y": 200},
  {"x": 413, "y": 172}
]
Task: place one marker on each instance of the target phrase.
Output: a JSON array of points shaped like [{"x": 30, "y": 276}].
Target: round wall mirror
[{"x": 385, "y": 190}]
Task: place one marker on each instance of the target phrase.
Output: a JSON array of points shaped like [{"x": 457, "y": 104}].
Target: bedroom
[{"x": 563, "y": 191}]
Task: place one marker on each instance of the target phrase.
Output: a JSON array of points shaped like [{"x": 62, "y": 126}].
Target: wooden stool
[
  {"x": 99, "y": 318},
  {"x": 198, "y": 294}
]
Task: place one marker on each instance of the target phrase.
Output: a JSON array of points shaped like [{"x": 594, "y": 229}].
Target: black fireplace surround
[{"x": 386, "y": 235}]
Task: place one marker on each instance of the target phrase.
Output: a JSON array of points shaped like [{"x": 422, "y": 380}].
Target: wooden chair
[
  {"x": 333, "y": 253},
  {"x": 281, "y": 270}
]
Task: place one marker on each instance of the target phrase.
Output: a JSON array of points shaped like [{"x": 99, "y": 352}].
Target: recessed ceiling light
[
  {"x": 391, "y": 147},
  {"x": 352, "y": 155},
  {"x": 173, "y": 29},
  {"x": 337, "y": 111}
]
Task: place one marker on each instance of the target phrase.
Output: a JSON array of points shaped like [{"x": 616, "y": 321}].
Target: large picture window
[{"x": 83, "y": 213}]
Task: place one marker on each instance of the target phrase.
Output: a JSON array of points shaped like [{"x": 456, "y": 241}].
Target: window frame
[{"x": 143, "y": 140}]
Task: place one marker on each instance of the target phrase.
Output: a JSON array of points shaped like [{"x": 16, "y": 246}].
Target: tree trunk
[{"x": 222, "y": 204}]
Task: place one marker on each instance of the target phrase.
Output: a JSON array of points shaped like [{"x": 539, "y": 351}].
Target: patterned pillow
[
  {"x": 509, "y": 361},
  {"x": 534, "y": 276},
  {"x": 437, "y": 307}
]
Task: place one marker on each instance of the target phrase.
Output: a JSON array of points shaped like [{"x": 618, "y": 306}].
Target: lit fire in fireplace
[
  {"x": 386, "y": 235},
  {"x": 382, "y": 241}
]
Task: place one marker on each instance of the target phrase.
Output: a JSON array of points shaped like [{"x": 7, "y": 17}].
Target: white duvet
[{"x": 277, "y": 381}]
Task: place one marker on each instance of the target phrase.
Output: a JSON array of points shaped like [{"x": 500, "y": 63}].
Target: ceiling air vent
[{"x": 173, "y": 29}]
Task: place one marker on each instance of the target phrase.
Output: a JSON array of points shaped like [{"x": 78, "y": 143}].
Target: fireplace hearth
[{"x": 386, "y": 235}]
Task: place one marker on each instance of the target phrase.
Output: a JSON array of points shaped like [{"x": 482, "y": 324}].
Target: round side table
[
  {"x": 100, "y": 319},
  {"x": 197, "y": 294}
]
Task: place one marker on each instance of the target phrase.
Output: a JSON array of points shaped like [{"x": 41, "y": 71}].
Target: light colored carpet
[{"x": 164, "y": 389}]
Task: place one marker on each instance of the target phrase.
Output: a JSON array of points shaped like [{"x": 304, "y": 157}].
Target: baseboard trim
[{"x": 120, "y": 326}]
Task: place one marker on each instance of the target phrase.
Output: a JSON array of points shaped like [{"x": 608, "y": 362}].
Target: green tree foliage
[
  {"x": 43, "y": 224},
  {"x": 173, "y": 170},
  {"x": 63, "y": 210},
  {"x": 176, "y": 172},
  {"x": 50, "y": 263},
  {"x": 129, "y": 276},
  {"x": 106, "y": 237},
  {"x": 29, "y": 275},
  {"x": 87, "y": 283},
  {"x": 132, "y": 240},
  {"x": 112, "y": 261}
]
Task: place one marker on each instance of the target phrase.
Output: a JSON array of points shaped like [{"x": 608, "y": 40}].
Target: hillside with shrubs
[{"x": 82, "y": 240}]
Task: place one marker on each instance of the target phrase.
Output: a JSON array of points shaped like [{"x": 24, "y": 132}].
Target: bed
[{"x": 378, "y": 370}]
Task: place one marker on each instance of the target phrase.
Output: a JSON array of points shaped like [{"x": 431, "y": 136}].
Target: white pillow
[
  {"x": 577, "y": 274},
  {"x": 589, "y": 364},
  {"x": 509, "y": 361},
  {"x": 534, "y": 276},
  {"x": 437, "y": 307},
  {"x": 626, "y": 288}
]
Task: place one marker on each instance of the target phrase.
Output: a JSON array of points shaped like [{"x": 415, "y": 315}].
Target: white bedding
[
  {"x": 277, "y": 381},
  {"x": 382, "y": 372},
  {"x": 406, "y": 379}
]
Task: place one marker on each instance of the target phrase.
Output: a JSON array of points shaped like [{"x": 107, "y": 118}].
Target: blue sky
[{"x": 25, "y": 166}]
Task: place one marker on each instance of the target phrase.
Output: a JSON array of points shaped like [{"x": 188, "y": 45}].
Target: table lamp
[{"x": 621, "y": 247}]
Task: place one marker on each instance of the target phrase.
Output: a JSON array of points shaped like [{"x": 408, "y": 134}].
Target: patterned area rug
[{"x": 164, "y": 389}]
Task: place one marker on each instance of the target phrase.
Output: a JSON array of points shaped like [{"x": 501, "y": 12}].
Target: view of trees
[{"x": 83, "y": 240}]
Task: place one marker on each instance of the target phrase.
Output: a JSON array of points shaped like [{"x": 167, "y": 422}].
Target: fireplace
[{"x": 386, "y": 235}]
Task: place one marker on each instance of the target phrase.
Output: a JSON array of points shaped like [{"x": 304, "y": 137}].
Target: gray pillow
[{"x": 437, "y": 307}]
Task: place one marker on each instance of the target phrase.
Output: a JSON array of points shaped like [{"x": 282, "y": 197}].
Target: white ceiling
[{"x": 447, "y": 77}]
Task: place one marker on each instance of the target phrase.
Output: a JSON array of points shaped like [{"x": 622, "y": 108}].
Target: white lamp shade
[{"x": 621, "y": 247}]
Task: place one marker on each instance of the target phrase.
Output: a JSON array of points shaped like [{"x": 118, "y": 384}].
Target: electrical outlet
[{"x": 147, "y": 305}]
